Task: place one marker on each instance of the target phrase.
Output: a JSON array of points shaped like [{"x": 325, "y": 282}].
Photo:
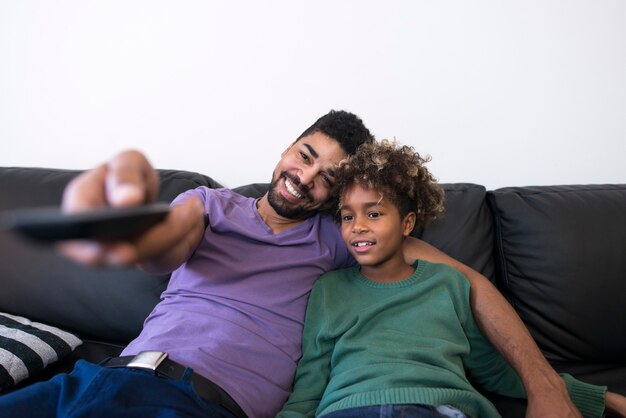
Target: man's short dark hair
[{"x": 344, "y": 127}]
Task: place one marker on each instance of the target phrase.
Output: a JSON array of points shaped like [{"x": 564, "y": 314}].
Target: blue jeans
[
  {"x": 93, "y": 391},
  {"x": 398, "y": 411}
]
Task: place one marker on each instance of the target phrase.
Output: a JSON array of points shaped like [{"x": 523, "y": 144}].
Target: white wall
[{"x": 498, "y": 92}]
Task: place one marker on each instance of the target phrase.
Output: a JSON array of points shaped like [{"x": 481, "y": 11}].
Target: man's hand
[
  {"x": 552, "y": 400},
  {"x": 127, "y": 180},
  {"x": 615, "y": 404}
]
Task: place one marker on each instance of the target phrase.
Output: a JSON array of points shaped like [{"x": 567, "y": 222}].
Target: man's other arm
[{"x": 547, "y": 394}]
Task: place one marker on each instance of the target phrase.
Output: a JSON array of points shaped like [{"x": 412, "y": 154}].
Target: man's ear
[{"x": 408, "y": 223}]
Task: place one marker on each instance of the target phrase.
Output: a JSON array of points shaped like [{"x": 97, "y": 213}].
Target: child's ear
[{"x": 408, "y": 223}]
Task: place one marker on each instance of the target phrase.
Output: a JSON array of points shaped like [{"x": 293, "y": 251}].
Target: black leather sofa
[{"x": 558, "y": 253}]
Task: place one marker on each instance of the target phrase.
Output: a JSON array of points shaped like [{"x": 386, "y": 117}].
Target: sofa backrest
[
  {"x": 465, "y": 232},
  {"x": 103, "y": 304},
  {"x": 561, "y": 263}
]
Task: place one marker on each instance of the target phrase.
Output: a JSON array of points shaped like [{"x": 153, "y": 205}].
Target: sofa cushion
[
  {"x": 464, "y": 231},
  {"x": 29, "y": 347},
  {"x": 561, "y": 263},
  {"x": 101, "y": 304}
]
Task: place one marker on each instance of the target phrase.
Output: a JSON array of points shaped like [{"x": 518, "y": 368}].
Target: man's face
[{"x": 303, "y": 179}]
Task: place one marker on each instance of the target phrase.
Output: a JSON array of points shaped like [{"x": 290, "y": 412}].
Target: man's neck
[{"x": 275, "y": 222}]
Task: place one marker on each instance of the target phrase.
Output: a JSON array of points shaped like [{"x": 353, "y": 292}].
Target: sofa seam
[
  {"x": 499, "y": 249},
  {"x": 525, "y": 191}
]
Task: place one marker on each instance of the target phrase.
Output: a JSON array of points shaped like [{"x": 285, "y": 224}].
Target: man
[{"x": 234, "y": 307}]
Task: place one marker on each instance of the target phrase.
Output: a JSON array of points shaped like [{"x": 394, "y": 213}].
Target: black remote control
[{"x": 102, "y": 224}]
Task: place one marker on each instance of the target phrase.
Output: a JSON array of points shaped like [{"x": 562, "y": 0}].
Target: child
[{"x": 389, "y": 337}]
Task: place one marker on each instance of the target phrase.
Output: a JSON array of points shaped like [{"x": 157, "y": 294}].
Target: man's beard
[{"x": 282, "y": 208}]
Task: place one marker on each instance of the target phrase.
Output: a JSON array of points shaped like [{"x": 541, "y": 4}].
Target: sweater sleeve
[
  {"x": 313, "y": 370},
  {"x": 491, "y": 371}
]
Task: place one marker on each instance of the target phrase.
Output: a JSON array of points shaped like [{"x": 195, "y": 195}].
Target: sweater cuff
[{"x": 588, "y": 398}]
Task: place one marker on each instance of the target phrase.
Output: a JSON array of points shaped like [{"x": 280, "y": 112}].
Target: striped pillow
[{"x": 27, "y": 347}]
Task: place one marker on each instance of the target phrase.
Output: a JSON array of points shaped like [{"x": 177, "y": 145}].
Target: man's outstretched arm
[
  {"x": 546, "y": 391},
  {"x": 126, "y": 180}
]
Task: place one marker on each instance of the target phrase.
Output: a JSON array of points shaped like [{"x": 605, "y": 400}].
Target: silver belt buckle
[{"x": 148, "y": 360}]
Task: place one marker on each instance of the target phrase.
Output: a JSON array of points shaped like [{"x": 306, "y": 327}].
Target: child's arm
[
  {"x": 506, "y": 331},
  {"x": 314, "y": 366}
]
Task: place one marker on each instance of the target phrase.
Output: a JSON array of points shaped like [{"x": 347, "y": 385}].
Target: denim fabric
[
  {"x": 93, "y": 391},
  {"x": 398, "y": 411},
  {"x": 450, "y": 412}
]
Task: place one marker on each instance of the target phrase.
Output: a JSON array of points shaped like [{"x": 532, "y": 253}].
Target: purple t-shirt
[{"x": 234, "y": 311}]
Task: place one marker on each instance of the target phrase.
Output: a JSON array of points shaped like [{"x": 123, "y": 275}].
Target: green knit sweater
[{"x": 409, "y": 342}]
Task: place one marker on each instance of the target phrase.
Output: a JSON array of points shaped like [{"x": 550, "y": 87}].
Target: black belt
[{"x": 160, "y": 365}]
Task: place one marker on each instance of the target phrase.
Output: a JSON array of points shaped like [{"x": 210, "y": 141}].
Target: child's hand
[{"x": 615, "y": 404}]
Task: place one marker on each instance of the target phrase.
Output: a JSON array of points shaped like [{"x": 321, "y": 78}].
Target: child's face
[{"x": 372, "y": 228}]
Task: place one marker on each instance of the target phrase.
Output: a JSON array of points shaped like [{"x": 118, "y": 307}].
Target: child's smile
[{"x": 362, "y": 246}]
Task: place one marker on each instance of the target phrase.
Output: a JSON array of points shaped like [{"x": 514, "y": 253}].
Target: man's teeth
[
  {"x": 291, "y": 189},
  {"x": 362, "y": 244}
]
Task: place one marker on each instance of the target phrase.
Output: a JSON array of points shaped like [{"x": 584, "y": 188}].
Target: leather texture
[{"x": 562, "y": 264}]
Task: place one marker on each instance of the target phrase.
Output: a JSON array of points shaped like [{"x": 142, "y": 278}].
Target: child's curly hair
[{"x": 397, "y": 172}]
